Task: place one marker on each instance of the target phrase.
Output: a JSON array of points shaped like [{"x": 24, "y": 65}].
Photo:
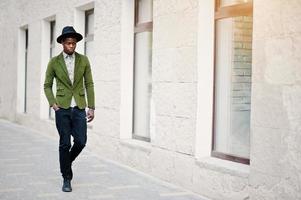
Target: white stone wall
[
  {"x": 8, "y": 69},
  {"x": 274, "y": 172},
  {"x": 275, "y": 143}
]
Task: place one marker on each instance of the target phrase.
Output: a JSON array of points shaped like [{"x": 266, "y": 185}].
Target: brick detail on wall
[{"x": 242, "y": 63}]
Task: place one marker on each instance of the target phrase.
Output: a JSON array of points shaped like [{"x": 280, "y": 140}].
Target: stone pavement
[{"x": 29, "y": 170}]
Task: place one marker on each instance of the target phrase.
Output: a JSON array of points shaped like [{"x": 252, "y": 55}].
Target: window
[
  {"x": 26, "y": 66},
  {"x": 89, "y": 33},
  {"x": 89, "y": 37},
  {"x": 52, "y": 41},
  {"x": 142, "y": 69},
  {"x": 22, "y": 83},
  {"x": 232, "y": 83},
  {"x": 84, "y": 24}
]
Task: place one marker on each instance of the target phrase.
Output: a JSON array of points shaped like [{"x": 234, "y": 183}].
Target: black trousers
[{"x": 71, "y": 121}]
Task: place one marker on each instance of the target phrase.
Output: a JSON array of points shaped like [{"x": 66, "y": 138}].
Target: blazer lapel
[
  {"x": 76, "y": 68},
  {"x": 63, "y": 65}
]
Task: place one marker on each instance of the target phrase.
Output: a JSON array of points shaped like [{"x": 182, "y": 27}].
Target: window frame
[
  {"x": 240, "y": 9},
  {"x": 141, "y": 27}
]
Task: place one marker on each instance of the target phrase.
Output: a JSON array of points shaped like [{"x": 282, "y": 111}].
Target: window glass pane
[
  {"x": 89, "y": 45},
  {"x": 145, "y": 11},
  {"x": 26, "y": 39},
  {"x": 232, "y": 2},
  {"x": 52, "y": 32},
  {"x": 52, "y": 39},
  {"x": 25, "y": 73},
  {"x": 89, "y": 51},
  {"x": 90, "y": 23},
  {"x": 142, "y": 83},
  {"x": 233, "y": 85},
  {"x": 51, "y": 111},
  {"x": 52, "y": 54},
  {"x": 89, "y": 48}
]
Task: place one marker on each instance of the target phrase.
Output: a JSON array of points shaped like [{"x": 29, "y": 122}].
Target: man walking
[{"x": 73, "y": 75}]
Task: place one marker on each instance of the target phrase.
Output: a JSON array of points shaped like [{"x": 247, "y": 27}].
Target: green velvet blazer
[{"x": 81, "y": 87}]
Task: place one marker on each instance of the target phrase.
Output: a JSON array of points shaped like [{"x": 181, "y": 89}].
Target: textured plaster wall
[
  {"x": 8, "y": 70},
  {"x": 275, "y": 143},
  {"x": 174, "y": 74}
]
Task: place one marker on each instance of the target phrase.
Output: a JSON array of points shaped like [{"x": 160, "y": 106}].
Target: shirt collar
[{"x": 66, "y": 55}]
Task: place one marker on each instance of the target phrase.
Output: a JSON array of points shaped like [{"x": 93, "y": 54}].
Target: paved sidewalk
[{"x": 29, "y": 170}]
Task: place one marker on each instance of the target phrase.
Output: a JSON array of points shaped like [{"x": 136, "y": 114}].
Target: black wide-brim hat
[{"x": 69, "y": 32}]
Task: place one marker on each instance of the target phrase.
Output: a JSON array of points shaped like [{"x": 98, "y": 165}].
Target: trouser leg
[
  {"x": 79, "y": 132},
  {"x": 64, "y": 127}
]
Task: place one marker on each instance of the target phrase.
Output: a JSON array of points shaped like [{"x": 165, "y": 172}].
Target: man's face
[{"x": 69, "y": 45}]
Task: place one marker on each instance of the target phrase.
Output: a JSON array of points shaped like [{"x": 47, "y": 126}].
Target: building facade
[{"x": 200, "y": 93}]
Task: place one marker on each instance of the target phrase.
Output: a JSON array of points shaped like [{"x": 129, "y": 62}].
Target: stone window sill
[
  {"x": 224, "y": 166},
  {"x": 137, "y": 144}
]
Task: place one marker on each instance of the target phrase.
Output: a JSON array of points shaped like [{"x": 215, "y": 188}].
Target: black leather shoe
[{"x": 67, "y": 186}]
